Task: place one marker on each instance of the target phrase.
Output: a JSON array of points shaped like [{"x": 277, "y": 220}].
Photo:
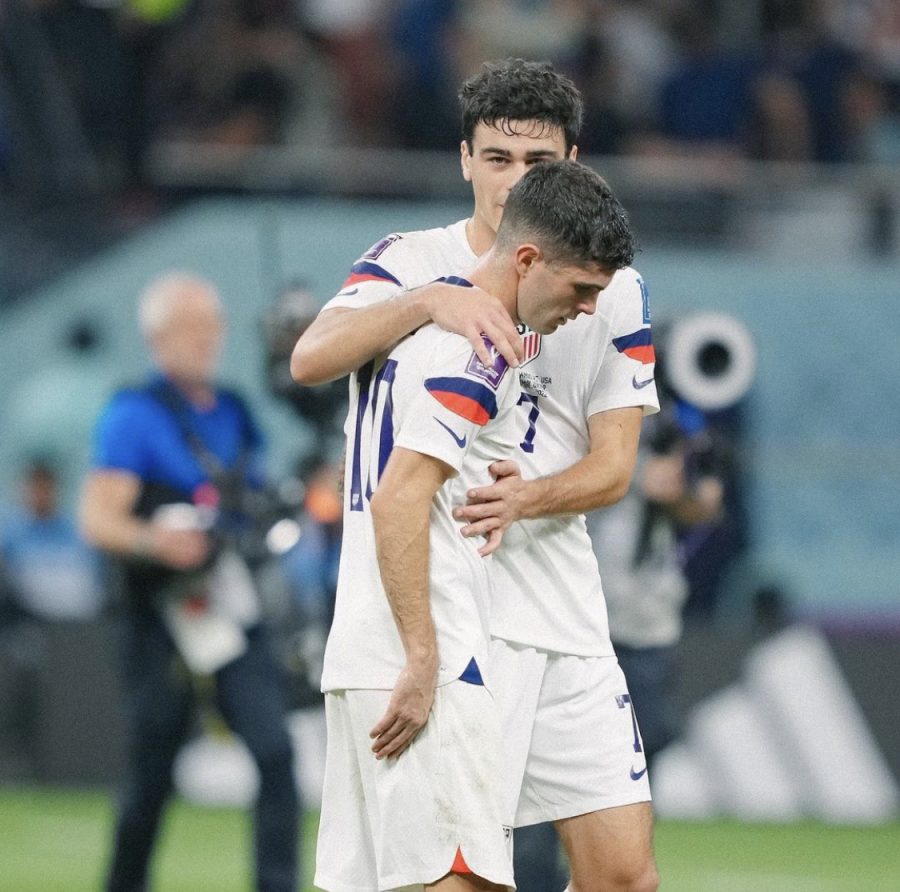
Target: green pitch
[{"x": 55, "y": 841}]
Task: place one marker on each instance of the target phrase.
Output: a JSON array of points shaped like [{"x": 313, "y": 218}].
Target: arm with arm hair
[{"x": 401, "y": 510}]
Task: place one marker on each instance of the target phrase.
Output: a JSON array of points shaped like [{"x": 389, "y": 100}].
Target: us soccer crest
[{"x": 531, "y": 343}]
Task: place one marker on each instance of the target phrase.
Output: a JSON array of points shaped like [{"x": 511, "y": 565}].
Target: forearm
[
  {"x": 341, "y": 340},
  {"x": 120, "y": 535},
  {"x": 599, "y": 479},
  {"x": 596, "y": 481},
  {"x": 402, "y": 544},
  {"x": 106, "y": 520}
]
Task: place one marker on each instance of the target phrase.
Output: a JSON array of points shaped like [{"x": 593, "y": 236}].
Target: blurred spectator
[
  {"x": 871, "y": 120},
  {"x": 628, "y": 52},
  {"x": 531, "y": 29},
  {"x": 804, "y": 65},
  {"x": 242, "y": 74},
  {"x": 52, "y": 573},
  {"x": 423, "y": 35},
  {"x": 352, "y": 34},
  {"x": 167, "y": 456},
  {"x": 705, "y": 100}
]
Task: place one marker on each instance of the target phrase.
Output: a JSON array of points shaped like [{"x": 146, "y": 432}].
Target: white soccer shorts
[
  {"x": 400, "y": 822},
  {"x": 571, "y": 740}
]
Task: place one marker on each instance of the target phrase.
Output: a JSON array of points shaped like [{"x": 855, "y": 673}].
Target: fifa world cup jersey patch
[{"x": 493, "y": 373}]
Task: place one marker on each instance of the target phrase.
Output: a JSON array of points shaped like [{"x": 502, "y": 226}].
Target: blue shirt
[{"x": 140, "y": 434}]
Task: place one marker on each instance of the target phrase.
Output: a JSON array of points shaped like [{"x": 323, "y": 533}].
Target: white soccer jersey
[
  {"x": 547, "y": 589},
  {"x": 431, "y": 395}
]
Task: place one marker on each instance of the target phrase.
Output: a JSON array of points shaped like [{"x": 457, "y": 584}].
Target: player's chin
[{"x": 550, "y": 327}]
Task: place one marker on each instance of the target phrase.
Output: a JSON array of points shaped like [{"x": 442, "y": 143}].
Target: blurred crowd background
[
  {"x": 267, "y": 143},
  {"x": 94, "y": 94}
]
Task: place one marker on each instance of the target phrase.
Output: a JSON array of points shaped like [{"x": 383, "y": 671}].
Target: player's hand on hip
[
  {"x": 491, "y": 509},
  {"x": 472, "y": 312},
  {"x": 408, "y": 710}
]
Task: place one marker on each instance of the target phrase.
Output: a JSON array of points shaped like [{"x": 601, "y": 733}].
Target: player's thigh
[
  {"x": 516, "y": 675},
  {"x": 585, "y": 752},
  {"x": 415, "y": 813},
  {"x": 611, "y": 850},
  {"x": 456, "y": 882}
]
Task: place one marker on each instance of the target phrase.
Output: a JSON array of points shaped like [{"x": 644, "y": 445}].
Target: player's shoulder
[
  {"x": 399, "y": 247},
  {"x": 627, "y": 283},
  {"x": 435, "y": 345}
]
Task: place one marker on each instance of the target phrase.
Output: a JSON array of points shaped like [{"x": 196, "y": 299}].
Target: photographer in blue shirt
[{"x": 169, "y": 498}]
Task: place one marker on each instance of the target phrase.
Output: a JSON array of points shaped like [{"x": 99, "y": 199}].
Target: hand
[
  {"x": 407, "y": 711},
  {"x": 663, "y": 479},
  {"x": 491, "y": 509},
  {"x": 471, "y": 312},
  {"x": 178, "y": 549}
]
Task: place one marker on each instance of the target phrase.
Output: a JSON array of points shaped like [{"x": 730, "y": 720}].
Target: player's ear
[
  {"x": 465, "y": 159},
  {"x": 573, "y": 153},
  {"x": 526, "y": 257}
]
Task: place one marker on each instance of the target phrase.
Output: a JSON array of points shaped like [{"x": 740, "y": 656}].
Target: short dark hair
[
  {"x": 572, "y": 215},
  {"x": 517, "y": 90}
]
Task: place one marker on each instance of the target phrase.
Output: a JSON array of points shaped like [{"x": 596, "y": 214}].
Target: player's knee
[
  {"x": 634, "y": 878},
  {"x": 648, "y": 881}
]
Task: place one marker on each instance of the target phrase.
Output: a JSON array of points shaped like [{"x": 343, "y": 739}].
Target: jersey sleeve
[
  {"x": 121, "y": 436},
  {"x": 626, "y": 374},
  {"x": 376, "y": 276},
  {"x": 454, "y": 398}
]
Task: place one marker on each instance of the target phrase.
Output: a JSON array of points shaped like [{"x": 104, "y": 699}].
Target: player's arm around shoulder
[{"x": 377, "y": 307}]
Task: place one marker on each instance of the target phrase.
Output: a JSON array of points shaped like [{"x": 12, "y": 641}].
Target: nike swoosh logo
[
  {"x": 460, "y": 441},
  {"x": 638, "y": 385},
  {"x": 637, "y": 775},
  {"x": 347, "y": 293}
]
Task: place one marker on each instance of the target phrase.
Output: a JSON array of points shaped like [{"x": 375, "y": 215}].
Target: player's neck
[
  {"x": 495, "y": 276},
  {"x": 479, "y": 235}
]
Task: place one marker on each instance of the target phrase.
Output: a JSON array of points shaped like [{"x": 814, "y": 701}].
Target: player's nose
[{"x": 588, "y": 306}]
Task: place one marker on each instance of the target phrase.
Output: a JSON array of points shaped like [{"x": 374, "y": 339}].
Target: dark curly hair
[
  {"x": 571, "y": 214},
  {"x": 517, "y": 90}
]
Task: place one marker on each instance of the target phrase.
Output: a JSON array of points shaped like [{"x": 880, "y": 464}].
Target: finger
[
  {"x": 481, "y": 495},
  {"x": 401, "y": 744},
  {"x": 387, "y": 720},
  {"x": 482, "y": 351},
  {"x": 508, "y": 349},
  {"x": 504, "y": 468},
  {"x": 495, "y": 537},
  {"x": 506, "y": 339},
  {"x": 385, "y": 741},
  {"x": 476, "y": 511},
  {"x": 385, "y": 745},
  {"x": 481, "y": 527}
]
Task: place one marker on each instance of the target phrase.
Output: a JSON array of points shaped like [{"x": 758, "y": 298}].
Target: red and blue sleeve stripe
[
  {"x": 637, "y": 345},
  {"x": 365, "y": 271},
  {"x": 468, "y": 399}
]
